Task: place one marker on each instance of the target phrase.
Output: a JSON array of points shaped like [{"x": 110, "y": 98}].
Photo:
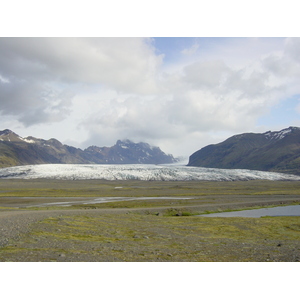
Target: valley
[{"x": 159, "y": 224}]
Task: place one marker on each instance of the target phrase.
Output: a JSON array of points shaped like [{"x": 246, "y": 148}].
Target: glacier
[{"x": 170, "y": 172}]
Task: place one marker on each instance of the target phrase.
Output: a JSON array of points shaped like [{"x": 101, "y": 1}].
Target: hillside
[
  {"x": 15, "y": 150},
  {"x": 277, "y": 151}
]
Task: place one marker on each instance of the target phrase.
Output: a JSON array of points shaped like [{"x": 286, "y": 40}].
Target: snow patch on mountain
[
  {"x": 27, "y": 140},
  {"x": 278, "y": 135},
  {"x": 137, "y": 172}
]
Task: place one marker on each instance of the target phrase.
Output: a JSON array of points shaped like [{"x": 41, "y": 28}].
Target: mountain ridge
[
  {"x": 16, "y": 150},
  {"x": 277, "y": 151}
]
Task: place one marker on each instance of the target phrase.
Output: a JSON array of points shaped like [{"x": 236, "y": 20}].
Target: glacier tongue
[{"x": 137, "y": 172}]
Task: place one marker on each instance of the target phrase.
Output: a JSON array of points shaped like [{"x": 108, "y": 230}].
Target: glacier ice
[{"x": 137, "y": 172}]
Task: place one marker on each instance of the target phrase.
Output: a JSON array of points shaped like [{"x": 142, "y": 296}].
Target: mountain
[
  {"x": 15, "y": 150},
  {"x": 127, "y": 152},
  {"x": 277, "y": 151}
]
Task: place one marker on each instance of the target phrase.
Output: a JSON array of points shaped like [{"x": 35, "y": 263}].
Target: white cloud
[
  {"x": 208, "y": 75},
  {"x": 192, "y": 50},
  {"x": 95, "y": 91},
  {"x": 126, "y": 64}
]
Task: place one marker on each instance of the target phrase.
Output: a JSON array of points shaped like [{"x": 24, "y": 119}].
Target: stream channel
[{"x": 290, "y": 210}]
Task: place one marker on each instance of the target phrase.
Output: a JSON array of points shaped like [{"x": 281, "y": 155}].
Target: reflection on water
[
  {"x": 106, "y": 199},
  {"x": 291, "y": 210}
]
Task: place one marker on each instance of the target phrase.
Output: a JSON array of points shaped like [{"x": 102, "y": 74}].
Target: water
[
  {"x": 291, "y": 210},
  {"x": 106, "y": 199}
]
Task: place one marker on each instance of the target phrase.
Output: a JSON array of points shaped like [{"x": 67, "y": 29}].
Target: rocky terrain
[
  {"x": 150, "y": 230},
  {"x": 108, "y": 235}
]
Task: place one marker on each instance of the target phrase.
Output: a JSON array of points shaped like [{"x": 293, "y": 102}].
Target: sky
[{"x": 179, "y": 94}]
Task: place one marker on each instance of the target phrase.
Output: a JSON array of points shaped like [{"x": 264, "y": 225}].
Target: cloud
[
  {"x": 200, "y": 97},
  {"x": 124, "y": 64},
  {"x": 292, "y": 48},
  {"x": 207, "y": 75},
  {"x": 31, "y": 102},
  {"x": 36, "y": 72},
  {"x": 99, "y": 90},
  {"x": 192, "y": 50}
]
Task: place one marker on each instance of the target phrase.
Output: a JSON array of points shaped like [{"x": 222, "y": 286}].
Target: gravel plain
[
  {"x": 123, "y": 234},
  {"x": 146, "y": 230}
]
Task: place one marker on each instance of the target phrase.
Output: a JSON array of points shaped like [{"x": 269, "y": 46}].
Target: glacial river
[
  {"x": 101, "y": 200},
  {"x": 291, "y": 210}
]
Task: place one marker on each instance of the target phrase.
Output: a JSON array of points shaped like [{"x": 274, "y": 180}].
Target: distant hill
[
  {"x": 15, "y": 150},
  {"x": 127, "y": 152},
  {"x": 277, "y": 151}
]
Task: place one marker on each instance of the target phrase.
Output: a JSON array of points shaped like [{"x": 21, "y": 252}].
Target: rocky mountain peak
[
  {"x": 10, "y": 136},
  {"x": 15, "y": 150},
  {"x": 6, "y": 131}
]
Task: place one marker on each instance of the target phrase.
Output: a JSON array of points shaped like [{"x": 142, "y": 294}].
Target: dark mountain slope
[
  {"x": 270, "y": 151},
  {"x": 15, "y": 150},
  {"x": 127, "y": 152}
]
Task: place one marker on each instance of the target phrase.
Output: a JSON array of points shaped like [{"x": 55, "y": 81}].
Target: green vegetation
[
  {"x": 142, "y": 237},
  {"x": 153, "y": 229},
  {"x": 7, "y": 157},
  {"x": 193, "y": 196},
  {"x": 103, "y": 188}
]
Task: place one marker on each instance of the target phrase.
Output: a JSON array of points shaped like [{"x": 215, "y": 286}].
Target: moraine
[{"x": 137, "y": 172}]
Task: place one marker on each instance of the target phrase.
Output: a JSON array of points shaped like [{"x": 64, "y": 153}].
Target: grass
[
  {"x": 103, "y": 188},
  {"x": 140, "y": 237},
  {"x": 201, "y": 192},
  {"x": 159, "y": 230}
]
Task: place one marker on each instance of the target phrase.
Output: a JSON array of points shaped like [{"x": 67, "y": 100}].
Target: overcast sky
[{"x": 176, "y": 93}]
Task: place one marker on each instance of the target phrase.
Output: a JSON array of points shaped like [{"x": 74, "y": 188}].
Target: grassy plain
[
  {"x": 153, "y": 229},
  {"x": 131, "y": 188}
]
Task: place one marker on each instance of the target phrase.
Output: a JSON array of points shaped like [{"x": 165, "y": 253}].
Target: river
[{"x": 291, "y": 210}]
